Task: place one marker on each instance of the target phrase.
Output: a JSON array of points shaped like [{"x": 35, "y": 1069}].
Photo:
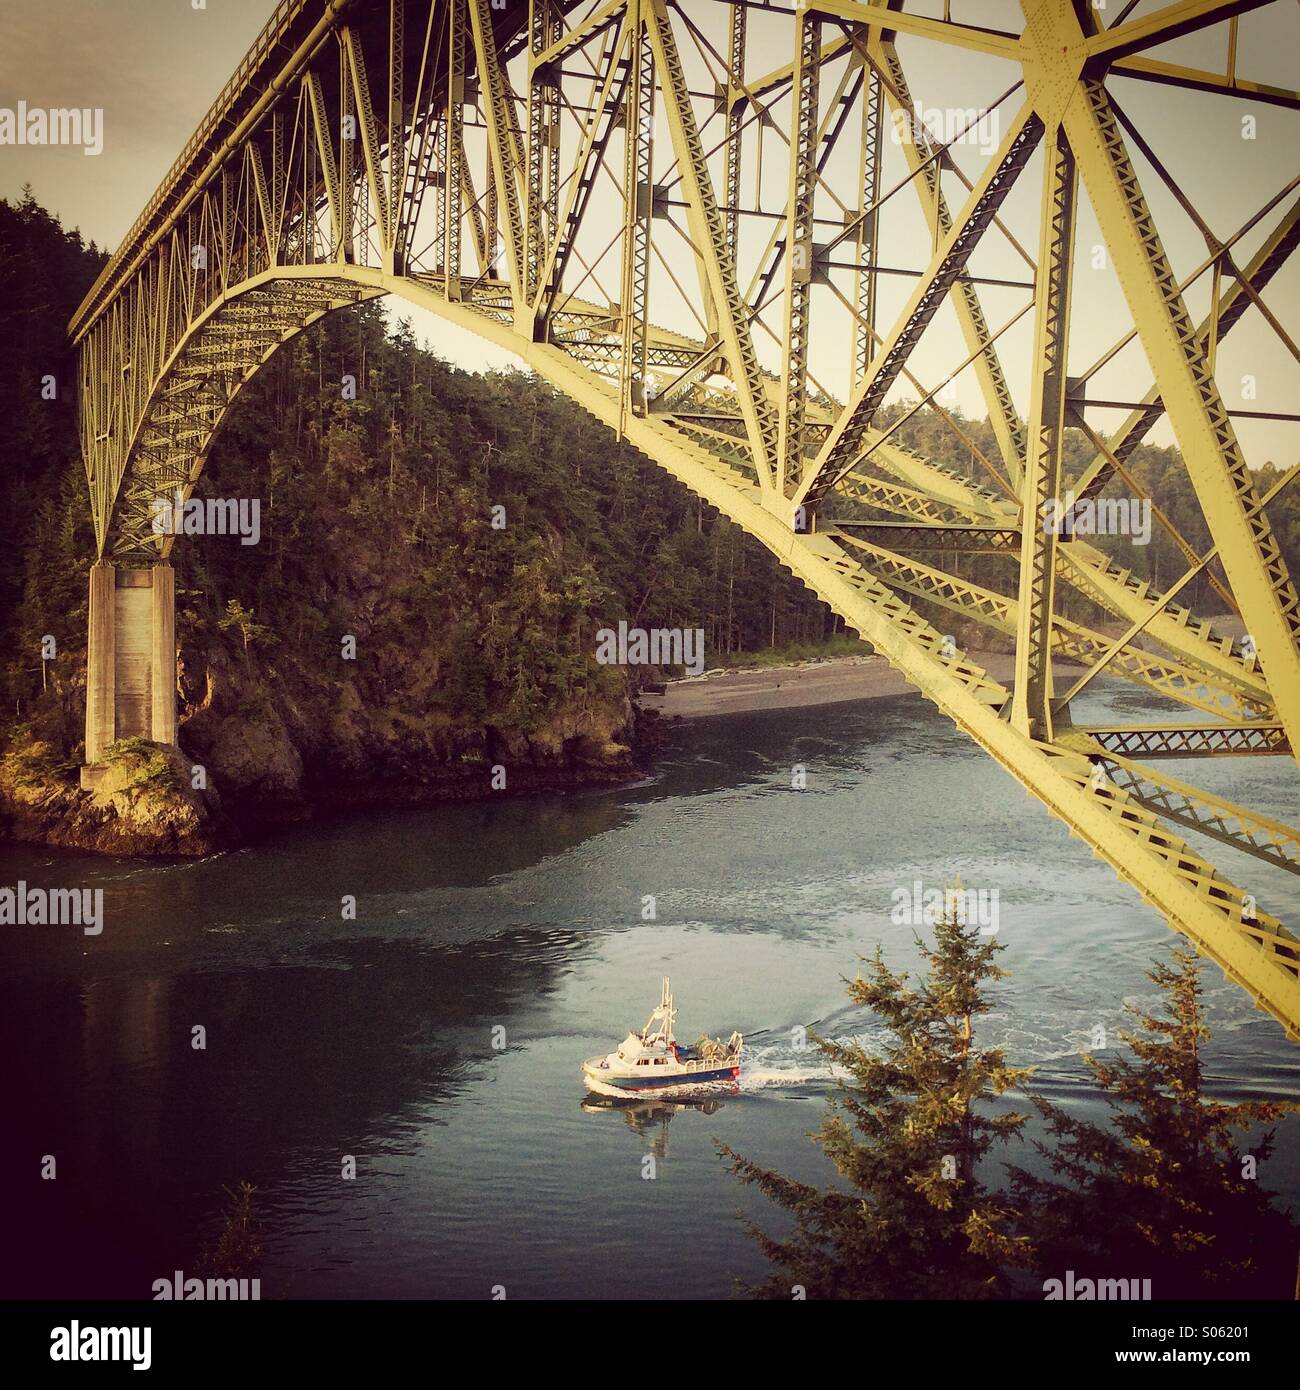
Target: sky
[{"x": 154, "y": 66}]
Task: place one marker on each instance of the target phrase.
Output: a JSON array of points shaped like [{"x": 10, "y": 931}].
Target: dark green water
[{"x": 479, "y": 1165}]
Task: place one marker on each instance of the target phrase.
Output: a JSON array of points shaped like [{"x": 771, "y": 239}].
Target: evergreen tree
[
  {"x": 1165, "y": 1193},
  {"x": 238, "y": 1250},
  {"x": 907, "y": 1134},
  {"x": 241, "y": 619}
]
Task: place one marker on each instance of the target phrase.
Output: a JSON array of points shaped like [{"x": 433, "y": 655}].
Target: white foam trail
[{"x": 759, "y": 1079}]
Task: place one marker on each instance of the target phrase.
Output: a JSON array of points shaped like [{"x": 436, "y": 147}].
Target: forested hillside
[
  {"x": 44, "y": 274},
  {"x": 475, "y": 643}
]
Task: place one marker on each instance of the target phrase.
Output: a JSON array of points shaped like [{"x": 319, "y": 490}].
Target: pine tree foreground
[
  {"x": 905, "y": 1135},
  {"x": 1166, "y": 1193}
]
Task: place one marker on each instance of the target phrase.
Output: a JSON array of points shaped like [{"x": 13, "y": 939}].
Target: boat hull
[{"x": 606, "y": 1079}]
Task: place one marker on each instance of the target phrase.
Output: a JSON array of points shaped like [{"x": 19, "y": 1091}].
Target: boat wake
[{"x": 771, "y": 1078}]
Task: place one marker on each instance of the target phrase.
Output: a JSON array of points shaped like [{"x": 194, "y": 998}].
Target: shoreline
[
  {"x": 836, "y": 680},
  {"x": 61, "y": 817},
  {"x": 175, "y": 826}
]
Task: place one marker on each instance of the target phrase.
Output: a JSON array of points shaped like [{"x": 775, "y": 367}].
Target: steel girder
[
  {"x": 560, "y": 140},
  {"x": 1041, "y": 485}
]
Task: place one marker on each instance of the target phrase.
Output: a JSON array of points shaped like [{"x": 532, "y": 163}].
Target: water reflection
[
  {"x": 649, "y": 1119},
  {"x": 355, "y": 1047}
]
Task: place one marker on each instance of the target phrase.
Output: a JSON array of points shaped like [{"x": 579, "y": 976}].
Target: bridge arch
[
  {"x": 185, "y": 411},
  {"x": 303, "y": 199}
]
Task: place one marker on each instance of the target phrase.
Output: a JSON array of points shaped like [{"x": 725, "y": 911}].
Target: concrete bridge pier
[{"x": 130, "y": 659}]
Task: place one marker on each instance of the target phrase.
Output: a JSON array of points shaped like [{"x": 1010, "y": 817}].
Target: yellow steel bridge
[{"x": 679, "y": 213}]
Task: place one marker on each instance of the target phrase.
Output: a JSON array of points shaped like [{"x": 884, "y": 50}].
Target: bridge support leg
[
  {"x": 163, "y": 656},
  {"x": 130, "y": 660},
  {"x": 100, "y": 652}
]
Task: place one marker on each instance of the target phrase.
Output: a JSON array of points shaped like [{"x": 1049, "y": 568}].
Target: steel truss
[{"x": 599, "y": 206}]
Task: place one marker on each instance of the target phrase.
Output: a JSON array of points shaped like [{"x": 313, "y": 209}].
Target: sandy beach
[{"x": 791, "y": 687}]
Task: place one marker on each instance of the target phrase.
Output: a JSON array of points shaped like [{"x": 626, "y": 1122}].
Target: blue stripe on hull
[{"x": 632, "y": 1083}]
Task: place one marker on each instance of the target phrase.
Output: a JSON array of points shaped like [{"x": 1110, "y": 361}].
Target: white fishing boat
[{"x": 653, "y": 1059}]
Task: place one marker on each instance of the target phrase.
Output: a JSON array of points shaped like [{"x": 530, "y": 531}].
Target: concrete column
[
  {"x": 163, "y": 662},
  {"x": 130, "y": 660},
  {"x": 133, "y": 642},
  {"x": 100, "y": 662}
]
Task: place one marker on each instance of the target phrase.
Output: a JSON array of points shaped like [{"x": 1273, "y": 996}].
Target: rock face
[
  {"x": 141, "y": 803},
  {"x": 282, "y": 744}
]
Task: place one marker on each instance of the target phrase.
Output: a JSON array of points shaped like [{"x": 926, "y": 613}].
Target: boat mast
[{"x": 665, "y": 1016}]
